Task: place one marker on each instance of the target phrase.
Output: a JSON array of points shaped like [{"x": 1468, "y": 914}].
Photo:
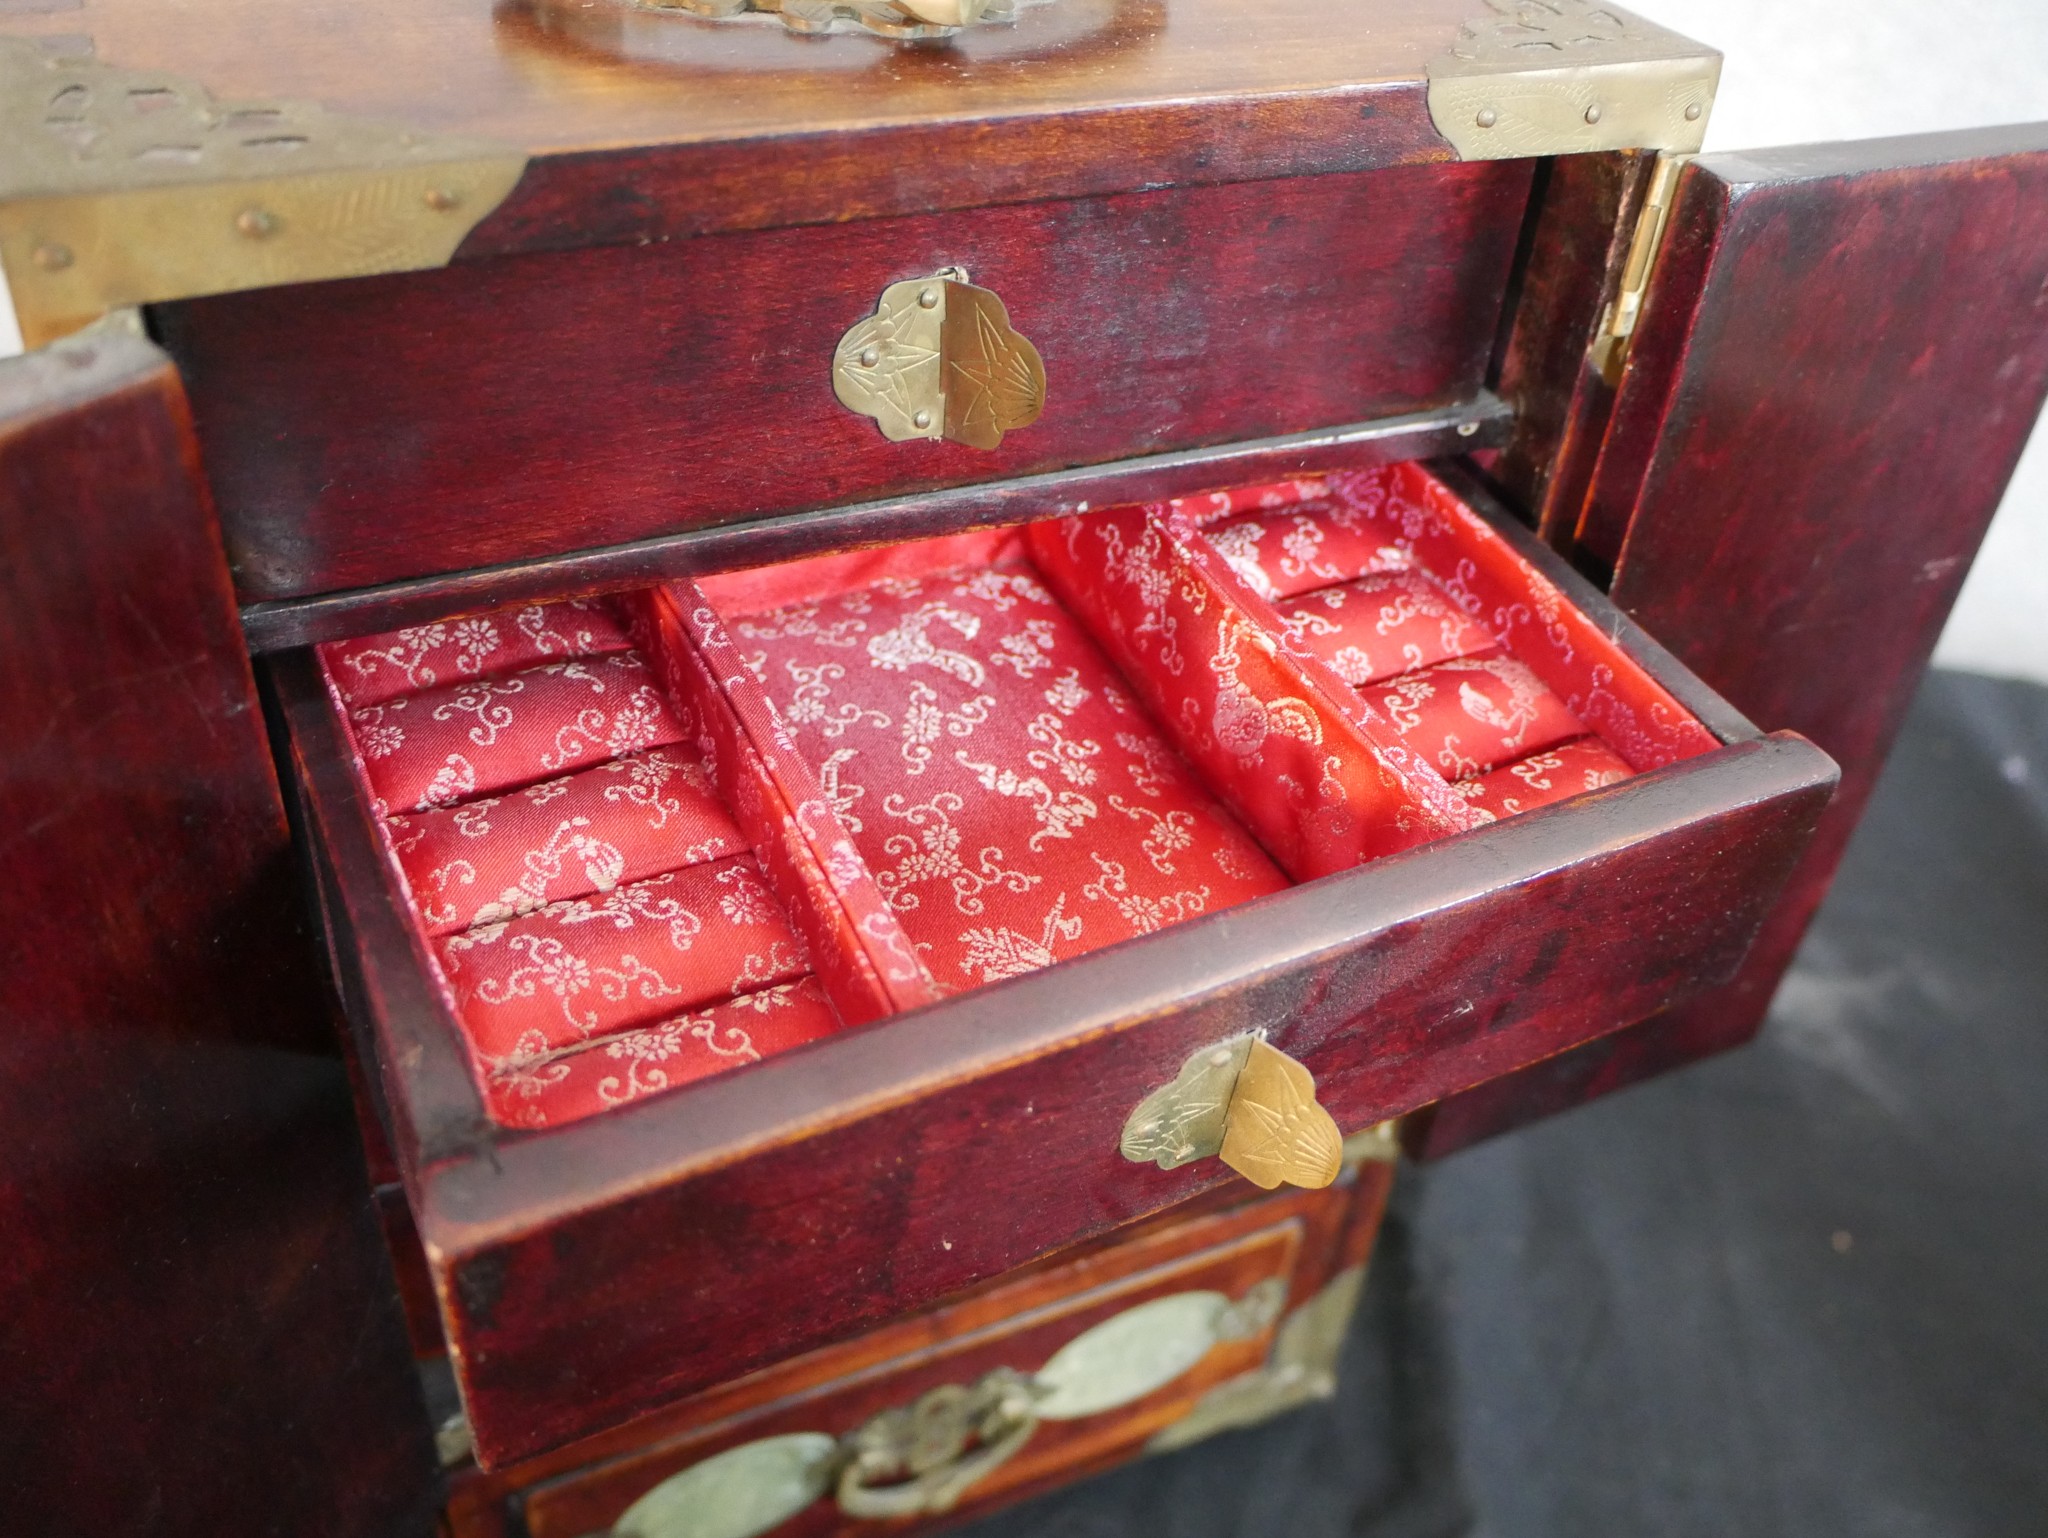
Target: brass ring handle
[{"x": 930, "y": 1442}]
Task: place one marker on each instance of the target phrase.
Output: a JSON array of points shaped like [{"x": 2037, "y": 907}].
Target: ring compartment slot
[
  {"x": 1291, "y": 755},
  {"x": 1508, "y": 692},
  {"x": 635, "y": 925}
]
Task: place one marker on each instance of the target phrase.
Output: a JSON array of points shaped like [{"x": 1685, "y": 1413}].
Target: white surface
[
  {"x": 1799, "y": 71},
  {"x": 10, "y": 329}
]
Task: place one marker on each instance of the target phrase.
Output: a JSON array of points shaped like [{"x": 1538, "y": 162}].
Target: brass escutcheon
[
  {"x": 940, "y": 359},
  {"x": 1248, "y": 1103}
]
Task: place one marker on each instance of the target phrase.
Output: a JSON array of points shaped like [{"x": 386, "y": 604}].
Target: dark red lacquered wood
[
  {"x": 1476, "y": 424},
  {"x": 369, "y": 431},
  {"x": 1845, "y": 351},
  {"x": 1582, "y": 223},
  {"x": 200, "y": 1331},
  {"x": 675, "y": 191}
]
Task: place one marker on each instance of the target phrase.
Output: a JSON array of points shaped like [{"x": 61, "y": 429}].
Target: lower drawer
[
  {"x": 1187, "y": 1326},
  {"x": 873, "y": 925}
]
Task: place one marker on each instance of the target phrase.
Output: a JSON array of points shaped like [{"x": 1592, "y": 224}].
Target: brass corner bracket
[
  {"x": 940, "y": 359},
  {"x": 123, "y": 187},
  {"x": 1567, "y": 77}
]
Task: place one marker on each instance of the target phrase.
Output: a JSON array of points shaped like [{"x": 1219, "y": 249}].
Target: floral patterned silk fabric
[
  {"x": 601, "y": 934},
  {"x": 1545, "y": 777},
  {"x": 1382, "y": 625},
  {"x": 656, "y": 838},
  {"x": 379, "y": 667},
  {"x": 1457, "y": 647},
  {"x": 1473, "y": 714},
  {"x": 504, "y": 730},
  {"x": 594, "y": 965},
  {"x": 496, "y": 858},
  {"x": 1014, "y": 804},
  {"x": 1314, "y": 543},
  {"x": 615, "y": 1070}
]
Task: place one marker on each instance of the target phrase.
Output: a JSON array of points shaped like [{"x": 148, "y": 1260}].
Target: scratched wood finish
[
  {"x": 189, "y": 1244},
  {"x": 648, "y": 126},
  {"x": 596, "y": 1271},
  {"x": 1845, "y": 351},
  {"x": 368, "y": 431},
  {"x": 1583, "y": 216},
  {"x": 583, "y": 1488},
  {"x": 1477, "y": 424}
]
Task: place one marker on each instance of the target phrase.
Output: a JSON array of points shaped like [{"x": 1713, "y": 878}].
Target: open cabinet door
[
  {"x": 202, "y": 1335},
  {"x": 1841, "y": 353}
]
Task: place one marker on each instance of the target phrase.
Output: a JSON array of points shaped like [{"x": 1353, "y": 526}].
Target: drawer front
[
  {"x": 702, "y": 1231},
  {"x": 367, "y": 431},
  {"x": 1278, "y": 1264}
]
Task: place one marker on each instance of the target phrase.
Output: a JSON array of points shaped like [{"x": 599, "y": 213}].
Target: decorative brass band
[
  {"x": 1565, "y": 77},
  {"x": 904, "y": 19},
  {"x": 940, "y": 359},
  {"x": 1248, "y": 1103},
  {"x": 919, "y": 1459},
  {"x": 122, "y": 187}
]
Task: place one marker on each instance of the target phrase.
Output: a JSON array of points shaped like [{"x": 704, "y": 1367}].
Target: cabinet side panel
[
  {"x": 201, "y": 1330},
  {"x": 1843, "y": 356}
]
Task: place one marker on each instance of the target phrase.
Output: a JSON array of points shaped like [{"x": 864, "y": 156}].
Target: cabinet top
[
  {"x": 609, "y": 120},
  {"x": 555, "y": 76}
]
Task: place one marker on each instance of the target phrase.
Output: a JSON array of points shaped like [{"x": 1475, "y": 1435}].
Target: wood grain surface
[
  {"x": 201, "y": 1334},
  {"x": 1845, "y": 350},
  {"x": 373, "y": 430},
  {"x": 835, "y": 1387}
]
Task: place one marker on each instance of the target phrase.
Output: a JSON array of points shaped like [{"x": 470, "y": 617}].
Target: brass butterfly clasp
[
  {"x": 940, "y": 359},
  {"x": 1248, "y": 1103}
]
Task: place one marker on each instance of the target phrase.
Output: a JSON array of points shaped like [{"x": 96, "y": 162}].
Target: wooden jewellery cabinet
[{"x": 871, "y": 713}]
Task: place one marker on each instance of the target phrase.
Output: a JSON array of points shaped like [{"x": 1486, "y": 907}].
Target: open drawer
[{"x": 750, "y": 962}]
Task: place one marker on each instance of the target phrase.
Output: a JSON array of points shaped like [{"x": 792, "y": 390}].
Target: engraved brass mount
[
  {"x": 906, "y": 20},
  {"x": 920, "y": 1459},
  {"x": 1566, "y": 77},
  {"x": 123, "y": 187},
  {"x": 1249, "y": 1104},
  {"x": 940, "y": 359}
]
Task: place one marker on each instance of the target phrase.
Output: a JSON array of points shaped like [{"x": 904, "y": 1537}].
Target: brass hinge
[
  {"x": 1567, "y": 77},
  {"x": 1617, "y": 331},
  {"x": 123, "y": 187}
]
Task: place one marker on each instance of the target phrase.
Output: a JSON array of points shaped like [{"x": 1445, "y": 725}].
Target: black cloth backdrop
[{"x": 1799, "y": 1290}]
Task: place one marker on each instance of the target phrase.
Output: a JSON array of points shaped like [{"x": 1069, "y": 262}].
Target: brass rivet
[
  {"x": 256, "y": 223},
  {"x": 929, "y": 298},
  {"x": 440, "y": 199},
  {"x": 1692, "y": 111},
  {"x": 1467, "y": 429},
  {"x": 1593, "y": 113},
  {"x": 1487, "y": 117},
  {"x": 922, "y": 419},
  {"x": 51, "y": 257},
  {"x": 869, "y": 357}
]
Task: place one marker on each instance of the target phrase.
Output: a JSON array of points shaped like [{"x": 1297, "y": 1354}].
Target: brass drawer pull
[
  {"x": 1248, "y": 1103},
  {"x": 940, "y": 359}
]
